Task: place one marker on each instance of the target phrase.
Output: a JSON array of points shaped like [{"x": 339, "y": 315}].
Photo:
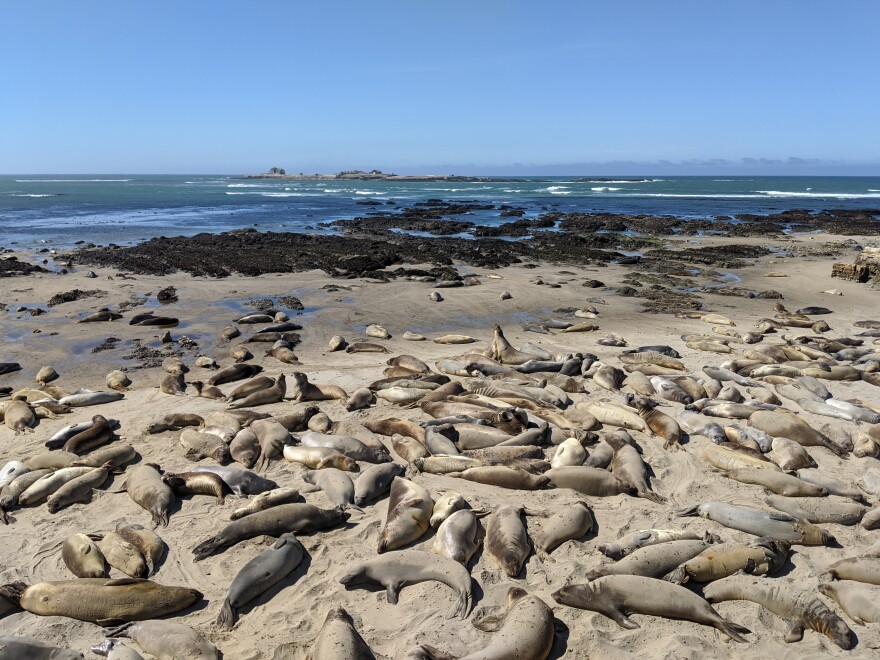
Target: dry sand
[{"x": 291, "y": 614}]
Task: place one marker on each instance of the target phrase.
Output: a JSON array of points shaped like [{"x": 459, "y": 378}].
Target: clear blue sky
[{"x": 412, "y": 86}]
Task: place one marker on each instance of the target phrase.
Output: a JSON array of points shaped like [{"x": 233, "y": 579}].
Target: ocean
[{"x": 59, "y": 211}]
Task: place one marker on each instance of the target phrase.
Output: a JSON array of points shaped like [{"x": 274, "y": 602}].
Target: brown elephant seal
[
  {"x": 200, "y": 445},
  {"x": 618, "y": 596},
  {"x": 234, "y": 373},
  {"x": 458, "y": 537},
  {"x": 318, "y": 458},
  {"x": 785, "y": 425},
  {"x": 860, "y": 569},
  {"x": 175, "y": 421},
  {"x": 83, "y": 557},
  {"x": 101, "y": 601},
  {"x": 360, "y": 398},
  {"x": 502, "y": 351},
  {"x": 19, "y": 416},
  {"x": 250, "y": 387},
  {"x": 628, "y": 466},
  {"x": 100, "y": 316},
  {"x": 448, "y": 503},
  {"x": 336, "y": 484},
  {"x": 79, "y": 489},
  {"x": 240, "y": 354},
  {"x": 801, "y": 609},
  {"x": 245, "y": 448},
  {"x": 145, "y": 487},
  {"x": 276, "y": 521},
  {"x": 166, "y": 639},
  {"x": 99, "y": 433},
  {"x": 507, "y": 541},
  {"x": 658, "y": 422},
  {"x": 652, "y": 561},
  {"x": 272, "y": 394},
  {"x": 762, "y": 556},
  {"x": 115, "y": 455},
  {"x": 207, "y": 391},
  {"x": 120, "y": 554},
  {"x": 242, "y": 482},
  {"x": 525, "y": 631},
  {"x": 365, "y": 347},
  {"x": 397, "y": 569},
  {"x": 859, "y": 601},
  {"x": 197, "y": 483},
  {"x": 818, "y": 510},
  {"x": 375, "y": 481},
  {"x": 336, "y": 343},
  {"x": 303, "y": 390},
  {"x": 283, "y": 354},
  {"x": 504, "y": 477},
  {"x": 778, "y": 526},
  {"x": 338, "y": 639},
  {"x": 46, "y": 375},
  {"x": 320, "y": 422},
  {"x": 173, "y": 384},
  {"x": 572, "y": 523},
  {"x": 409, "y": 515},
  {"x": 777, "y": 482},
  {"x": 146, "y": 541},
  {"x": 348, "y": 445},
  {"x": 589, "y": 481},
  {"x": 259, "y": 575}
]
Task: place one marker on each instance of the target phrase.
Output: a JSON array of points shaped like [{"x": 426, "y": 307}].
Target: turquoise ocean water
[{"x": 60, "y": 210}]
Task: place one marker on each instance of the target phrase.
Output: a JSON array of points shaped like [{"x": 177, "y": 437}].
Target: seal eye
[{"x": 45, "y": 599}]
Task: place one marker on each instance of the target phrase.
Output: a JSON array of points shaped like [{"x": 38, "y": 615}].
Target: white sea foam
[
  {"x": 246, "y": 185},
  {"x": 71, "y": 180},
  {"x": 23, "y": 195},
  {"x": 367, "y": 192},
  {"x": 605, "y": 189},
  {"x": 783, "y": 193},
  {"x": 508, "y": 190},
  {"x": 552, "y": 188},
  {"x": 873, "y": 190}
]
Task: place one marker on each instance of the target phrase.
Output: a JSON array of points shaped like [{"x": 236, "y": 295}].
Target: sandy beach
[{"x": 285, "y": 621}]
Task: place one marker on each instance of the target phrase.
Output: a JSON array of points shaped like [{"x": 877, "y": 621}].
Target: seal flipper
[
  {"x": 119, "y": 631},
  {"x": 689, "y": 512},
  {"x": 226, "y": 618},
  {"x": 434, "y": 654},
  {"x": 654, "y": 497},
  {"x": 621, "y": 619},
  {"x": 110, "y": 622},
  {"x": 795, "y": 631},
  {"x": 393, "y": 592},
  {"x": 734, "y": 630}
]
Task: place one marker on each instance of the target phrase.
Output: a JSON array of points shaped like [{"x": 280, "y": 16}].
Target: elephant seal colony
[{"x": 551, "y": 473}]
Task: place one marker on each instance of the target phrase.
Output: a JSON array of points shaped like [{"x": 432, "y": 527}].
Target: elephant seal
[
  {"x": 276, "y": 521},
  {"x": 507, "y": 541},
  {"x": 569, "y": 452},
  {"x": 859, "y": 601},
  {"x": 175, "y": 421},
  {"x": 83, "y": 557},
  {"x": 79, "y": 489},
  {"x": 628, "y": 466},
  {"x": 265, "y": 501},
  {"x": 860, "y": 569},
  {"x": 207, "y": 391},
  {"x": 303, "y": 390},
  {"x": 801, "y": 609},
  {"x": 167, "y": 639},
  {"x": 12, "y": 471},
  {"x": 504, "y": 477},
  {"x": 777, "y": 482},
  {"x": 786, "y": 425},
  {"x": 145, "y": 487},
  {"x": 318, "y": 458},
  {"x": 778, "y": 526},
  {"x": 336, "y": 484},
  {"x": 201, "y": 445},
  {"x": 449, "y": 503},
  {"x": 658, "y": 422},
  {"x": 84, "y": 397},
  {"x": 47, "y": 485},
  {"x": 19, "y": 416},
  {"x": 818, "y": 510},
  {"x": 25, "y": 648},
  {"x": 652, "y": 561},
  {"x": 525, "y": 631},
  {"x": 146, "y": 541},
  {"x": 762, "y": 556},
  {"x": 114, "y": 455},
  {"x": 589, "y": 481},
  {"x": 375, "y": 481},
  {"x": 617, "y": 596},
  {"x": 409, "y": 515},
  {"x": 100, "y": 316},
  {"x": 272, "y": 394},
  {"x": 250, "y": 387},
  {"x": 197, "y": 483},
  {"x": 120, "y": 554},
  {"x": 234, "y": 373},
  {"x": 99, "y": 433},
  {"x": 338, "y": 639},
  {"x": 360, "y": 398},
  {"x": 259, "y": 575},
  {"x": 348, "y": 445},
  {"x": 572, "y": 523},
  {"x": 397, "y": 569},
  {"x": 365, "y": 347},
  {"x": 631, "y": 542},
  {"x": 101, "y": 601},
  {"x": 245, "y": 448},
  {"x": 458, "y": 537},
  {"x": 242, "y": 482}
]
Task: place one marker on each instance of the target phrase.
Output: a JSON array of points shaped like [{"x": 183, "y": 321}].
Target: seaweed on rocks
[
  {"x": 73, "y": 295},
  {"x": 11, "y": 267}
]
